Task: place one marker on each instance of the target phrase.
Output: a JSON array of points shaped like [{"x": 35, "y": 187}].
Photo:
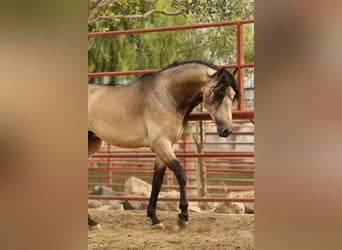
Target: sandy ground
[{"x": 132, "y": 230}]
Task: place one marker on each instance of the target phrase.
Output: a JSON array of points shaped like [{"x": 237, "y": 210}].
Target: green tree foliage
[{"x": 156, "y": 50}]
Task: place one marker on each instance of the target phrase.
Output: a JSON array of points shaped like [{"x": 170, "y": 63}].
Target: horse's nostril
[{"x": 225, "y": 133}]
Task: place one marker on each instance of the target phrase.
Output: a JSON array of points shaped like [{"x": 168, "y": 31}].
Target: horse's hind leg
[
  {"x": 158, "y": 175},
  {"x": 94, "y": 143},
  {"x": 92, "y": 224}
]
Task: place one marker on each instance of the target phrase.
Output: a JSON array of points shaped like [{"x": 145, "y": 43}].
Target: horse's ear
[{"x": 235, "y": 71}]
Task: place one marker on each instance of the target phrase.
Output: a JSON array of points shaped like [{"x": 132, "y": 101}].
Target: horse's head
[{"x": 218, "y": 98}]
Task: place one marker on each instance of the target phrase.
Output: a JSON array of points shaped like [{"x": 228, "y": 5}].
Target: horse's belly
[
  {"x": 125, "y": 137},
  {"x": 118, "y": 129},
  {"x": 127, "y": 141}
]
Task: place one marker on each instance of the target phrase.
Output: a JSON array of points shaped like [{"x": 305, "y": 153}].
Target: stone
[
  {"x": 94, "y": 203},
  {"x": 135, "y": 205},
  {"x": 249, "y": 206},
  {"x": 105, "y": 207},
  {"x": 117, "y": 207},
  {"x": 194, "y": 208},
  {"x": 230, "y": 208},
  {"x": 138, "y": 187},
  {"x": 170, "y": 194},
  {"x": 168, "y": 205},
  {"x": 102, "y": 190},
  {"x": 115, "y": 202}
]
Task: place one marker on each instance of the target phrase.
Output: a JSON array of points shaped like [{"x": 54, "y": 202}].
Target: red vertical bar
[
  {"x": 240, "y": 61},
  {"x": 109, "y": 166}
]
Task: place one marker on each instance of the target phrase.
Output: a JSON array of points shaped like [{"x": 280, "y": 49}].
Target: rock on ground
[
  {"x": 230, "y": 208},
  {"x": 138, "y": 187},
  {"x": 249, "y": 207}
]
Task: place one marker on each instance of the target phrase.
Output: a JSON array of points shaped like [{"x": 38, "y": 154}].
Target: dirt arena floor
[{"x": 132, "y": 230}]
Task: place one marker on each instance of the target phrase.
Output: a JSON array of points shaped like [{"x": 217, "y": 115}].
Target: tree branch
[
  {"x": 111, "y": 18},
  {"x": 92, "y": 4}
]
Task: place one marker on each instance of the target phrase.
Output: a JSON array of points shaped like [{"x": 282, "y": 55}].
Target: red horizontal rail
[
  {"x": 150, "y": 164},
  {"x": 152, "y": 155},
  {"x": 234, "y": 133},
  {"x": 177, "y": 151},
  {"x": 200, "y": 116},
  {"x": 149, "y": 178},
  {"x": 171, "y": 28},
  {"x": 227, "y": 180},
  {"x": 125, "y": 170},
  {"x": 228, "y": 171},
  {"x": 213, "y": 171},
  {"x": 140, "y": 198},
  {"x": 182, "y": 154},
  {"x": 225, "y": 165},
  {"x": 210, "y": 188},
  {"x": 223, "y": 143},
  {"x": 229, "y": 188}
]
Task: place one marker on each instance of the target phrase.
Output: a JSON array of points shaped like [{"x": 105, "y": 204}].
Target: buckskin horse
[{"x": 153, "y": 111}]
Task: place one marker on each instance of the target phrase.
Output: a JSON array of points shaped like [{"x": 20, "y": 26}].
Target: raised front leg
[
  {"x": 179, "y": 172},
  {"x": 158, "y": 175},
  {"x": 167, "y": 156}
]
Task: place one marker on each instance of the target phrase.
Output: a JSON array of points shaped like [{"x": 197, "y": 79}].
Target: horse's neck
[{"x": 186, "y": 87}]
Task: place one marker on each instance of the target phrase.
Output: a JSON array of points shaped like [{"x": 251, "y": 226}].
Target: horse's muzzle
[{"x": 224, "y": 132}]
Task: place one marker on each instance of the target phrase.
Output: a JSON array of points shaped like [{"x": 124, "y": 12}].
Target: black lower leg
[
  {"x": 91, "y": 222},
  {"x": 179, "y": 172},
  {"x": 157, "y": 182}
]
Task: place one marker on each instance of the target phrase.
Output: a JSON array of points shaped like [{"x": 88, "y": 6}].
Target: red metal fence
[{"x": 228, "y": 168}]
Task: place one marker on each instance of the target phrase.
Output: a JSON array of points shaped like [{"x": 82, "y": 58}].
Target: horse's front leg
[
  {"x": 166, "y": 154},
  {"x": 157, "y": 181},
  {"x": 179, "y": 172}
]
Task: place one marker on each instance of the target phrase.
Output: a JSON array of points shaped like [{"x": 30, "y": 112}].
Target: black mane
[
  {"x": 219, "y": 91},
  {"x": 179, "y": 63}
]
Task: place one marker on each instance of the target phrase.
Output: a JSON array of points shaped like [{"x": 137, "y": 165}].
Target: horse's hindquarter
[{"x": 115, "y": 115}]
